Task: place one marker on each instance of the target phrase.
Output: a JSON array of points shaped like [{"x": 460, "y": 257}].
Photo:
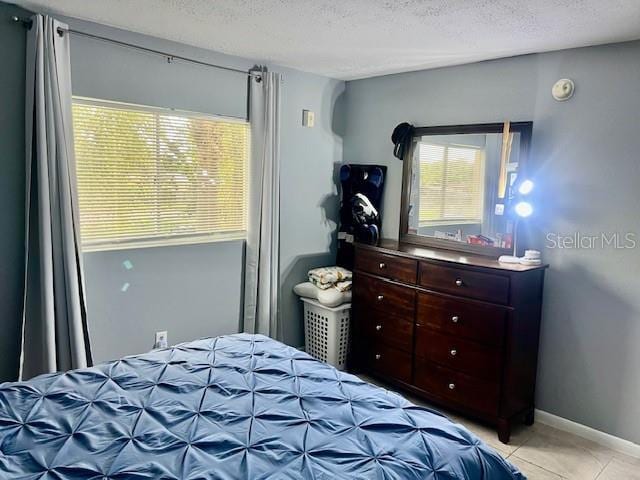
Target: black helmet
[{"x": 401, "y": 137}]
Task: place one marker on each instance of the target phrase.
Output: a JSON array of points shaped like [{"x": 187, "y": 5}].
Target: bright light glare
[
  {"x": 526, "y": 187},
  {"x": 524, "y": 209}
]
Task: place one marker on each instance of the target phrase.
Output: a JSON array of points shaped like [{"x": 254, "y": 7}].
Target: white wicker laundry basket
[{"x": 326, "y": 332}]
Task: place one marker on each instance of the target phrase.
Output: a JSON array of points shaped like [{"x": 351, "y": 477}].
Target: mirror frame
[{"x": 524, "y": 128}]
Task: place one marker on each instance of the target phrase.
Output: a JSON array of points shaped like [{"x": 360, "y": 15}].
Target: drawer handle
[
  {"x": 452, "y": 386},
  {"x": 382, "y": 265},
  {"x": 380, "y": 298},
  {"x": 455, "y": 319},
  {"x": 453, "y": 352},
  {"x": 378, "y": 327},
  {"x": 459, "y": 282},
  {"x": 378, "y": 356}
]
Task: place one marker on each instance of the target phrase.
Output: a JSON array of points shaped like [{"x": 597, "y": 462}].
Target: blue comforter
[{"x": 237, "y": 406}]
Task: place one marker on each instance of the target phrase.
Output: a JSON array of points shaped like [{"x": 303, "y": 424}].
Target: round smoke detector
[{"x": 563, "y": 89}]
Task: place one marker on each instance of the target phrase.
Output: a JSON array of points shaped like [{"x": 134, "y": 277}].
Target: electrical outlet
[{"x": 161, "y": 339}]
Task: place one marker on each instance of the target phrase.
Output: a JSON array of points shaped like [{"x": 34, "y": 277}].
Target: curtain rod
[{"x": 169, "y": 56}]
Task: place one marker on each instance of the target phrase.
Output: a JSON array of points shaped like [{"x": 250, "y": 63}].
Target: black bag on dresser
[{"x": 360, "y": 218}]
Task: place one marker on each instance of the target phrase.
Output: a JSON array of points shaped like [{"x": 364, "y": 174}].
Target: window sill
[
  {"x": 164, "y": 242},
  {"x": 445, "y": 223}
]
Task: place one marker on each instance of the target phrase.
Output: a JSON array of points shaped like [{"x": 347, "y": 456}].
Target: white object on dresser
[
  {"x": 531, "y": 257},
  {"x": 508, "y": 259}
]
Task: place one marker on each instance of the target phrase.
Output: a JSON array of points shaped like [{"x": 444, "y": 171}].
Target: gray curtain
[
  {"x": 54, "y": 329},
  {"x": 262, "y": 258}
]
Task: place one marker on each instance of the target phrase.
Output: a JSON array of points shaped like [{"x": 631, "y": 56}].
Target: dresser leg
[
  {"x": 529, "y": 418},
  {"x": 504, "y": 430}
]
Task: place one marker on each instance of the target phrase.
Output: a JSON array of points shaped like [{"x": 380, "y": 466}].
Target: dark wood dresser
[{"x": 459, "y": 330}]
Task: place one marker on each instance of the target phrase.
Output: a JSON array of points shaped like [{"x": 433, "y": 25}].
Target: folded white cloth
[
  {"x": 343, "y": 286},
  {"x": 326, "y": 277},
  {"x": 331, "y": 297}
]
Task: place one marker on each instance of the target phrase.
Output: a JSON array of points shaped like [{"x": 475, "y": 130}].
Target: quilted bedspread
[{"x": 231, "y": 407}]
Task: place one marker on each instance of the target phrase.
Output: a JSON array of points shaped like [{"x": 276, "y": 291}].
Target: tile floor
[{"x": 544, "y": 453}]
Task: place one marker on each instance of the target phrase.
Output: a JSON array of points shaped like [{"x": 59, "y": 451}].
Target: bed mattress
[{"x": 232, "y": 407}]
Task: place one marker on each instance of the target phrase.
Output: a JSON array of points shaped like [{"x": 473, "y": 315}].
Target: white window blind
[
  {"x": 157, "y": 176},
  {"x": 451, "y": 184}
]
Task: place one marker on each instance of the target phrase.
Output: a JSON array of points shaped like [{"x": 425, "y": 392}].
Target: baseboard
[{"x": 605, "y": 439}]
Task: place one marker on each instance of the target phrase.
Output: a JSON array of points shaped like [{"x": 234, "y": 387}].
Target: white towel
[{"x": 326, "y": 277}]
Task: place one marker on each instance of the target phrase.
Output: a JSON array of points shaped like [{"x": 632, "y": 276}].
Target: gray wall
[
  {"x": 585, "y": 154},
  {"x": 190, "y": 290},
  {"x": 12, "y": 76},
  {"x": 309, "y": 204},
  {"x": 196, "y": 290}
]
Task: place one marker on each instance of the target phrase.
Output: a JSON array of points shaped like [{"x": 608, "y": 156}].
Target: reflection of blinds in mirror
[{"x": 451, "y": 184}]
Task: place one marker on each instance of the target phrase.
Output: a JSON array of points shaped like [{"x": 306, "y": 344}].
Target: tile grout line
[
  {"x": 523, "y": 444},
  {"x": 541, "y": 467},
  {"x": 587, "y": 451},
  {"x": 533, "y": 434},
  {"x": 603, "y": 469},
  {"x": 590, "y": 453}
]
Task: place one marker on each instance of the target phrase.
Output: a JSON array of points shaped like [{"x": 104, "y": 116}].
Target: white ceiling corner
[{"x": 351, "y": 39}]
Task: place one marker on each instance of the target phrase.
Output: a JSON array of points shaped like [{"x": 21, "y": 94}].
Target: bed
[{"x": 236, "y": 406}]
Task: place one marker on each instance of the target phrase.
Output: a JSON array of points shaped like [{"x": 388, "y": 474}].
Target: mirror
[{"x": 459, "y": 186}]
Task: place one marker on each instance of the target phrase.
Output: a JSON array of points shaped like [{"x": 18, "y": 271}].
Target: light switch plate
[
  {"x": 161, "y": 339},
  {"x": 308, "y": 118}
]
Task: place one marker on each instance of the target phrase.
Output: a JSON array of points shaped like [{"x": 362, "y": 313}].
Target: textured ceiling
[{"x": 361, "y": 38}]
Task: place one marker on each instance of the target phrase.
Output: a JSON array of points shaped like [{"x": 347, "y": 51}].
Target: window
[
  {"x": 451, "y": 184},
  {"x": 156, "y": 176}
]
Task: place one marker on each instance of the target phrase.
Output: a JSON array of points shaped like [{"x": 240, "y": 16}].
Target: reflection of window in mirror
[
  {"x": 451, "y": 183},
  {"x": 461, "y": 186}
]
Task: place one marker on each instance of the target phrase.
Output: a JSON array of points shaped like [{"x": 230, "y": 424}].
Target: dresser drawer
[
  {"x": 462, "y": 355},
  {"x": 386, "y": 329},
  {"x": 389, "y": 362},
  {"x": 457, "y": 387},
  {"x": 475, "y": 321},
  {"x": 468, "y": 283},
  {"x": 388, "y": 266},
  {"x": 370, "y": 292}
]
